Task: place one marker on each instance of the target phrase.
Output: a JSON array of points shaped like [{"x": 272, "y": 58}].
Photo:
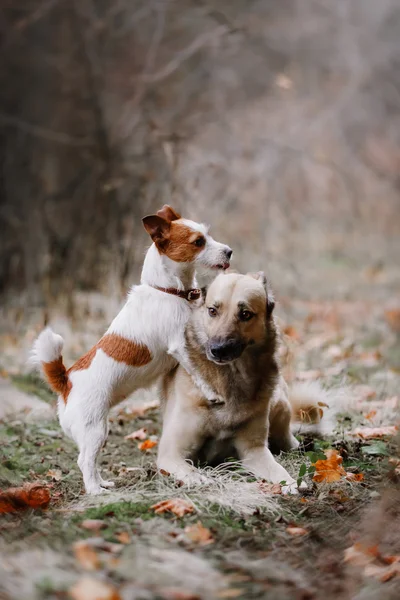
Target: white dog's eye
[
  {"x": 212, "y": 311},
  {"x": 200, "y": 242}
]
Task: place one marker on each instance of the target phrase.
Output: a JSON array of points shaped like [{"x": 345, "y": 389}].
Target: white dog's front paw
[
  {"x": 96, "y": 490},
  {"x": 107, "y": 484}
]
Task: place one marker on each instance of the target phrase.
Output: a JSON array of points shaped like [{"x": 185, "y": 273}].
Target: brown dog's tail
[
  {"x": 47, "y": 352},
  {"x": 314, "y": 408}
]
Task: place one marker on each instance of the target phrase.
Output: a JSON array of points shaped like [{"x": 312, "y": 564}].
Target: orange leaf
[
  {"x": 367, "y": 433},
  {"x": 32, "y": 495},
  {"x": 330, "y": 469},
  {"x": 93, "y": 524},
  {"x": 355, "y": 476},
  {"x": 291, "y": 332},
  {"x": 123, "y": 537},
  {"x": 178, "y": 506},
  {"x": 393, "y": 319},
  {"x": 88, "y": 588},
  {"x": 361, "y": 555},
  {"x": 54, "y": 474},
  {"x": 147, "y": 444},
  {"x": 370, "y": 415},
  {"x": 86, "y": 555},
  {"x": 199, "y": 534},
  {"x": 139, "y": 434},
  {"x": 296, "y": 531}
]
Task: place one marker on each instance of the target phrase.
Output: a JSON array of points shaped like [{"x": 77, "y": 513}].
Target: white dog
[{"x": 143, "y": 342}]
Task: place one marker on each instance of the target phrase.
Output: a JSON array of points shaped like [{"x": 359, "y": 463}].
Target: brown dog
[{"x": 232, "y": 343}]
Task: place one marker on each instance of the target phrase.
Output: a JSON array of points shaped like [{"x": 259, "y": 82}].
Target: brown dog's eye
[
  {"x": 245, "y": 315},
  {"x": 212, "y": 312},
  {"x": 200, "y": 242}
]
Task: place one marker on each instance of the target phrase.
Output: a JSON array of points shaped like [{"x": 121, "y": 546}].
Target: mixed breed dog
[{"x": 215, "y": 350}]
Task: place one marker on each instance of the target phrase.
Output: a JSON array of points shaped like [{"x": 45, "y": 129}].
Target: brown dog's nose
[{"x": 227, "y": 350}]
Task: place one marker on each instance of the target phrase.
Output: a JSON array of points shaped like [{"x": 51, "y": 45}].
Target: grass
[{"x": 252, "y": 554}]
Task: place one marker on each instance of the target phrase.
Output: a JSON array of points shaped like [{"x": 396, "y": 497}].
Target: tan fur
[
  {"x": 180, "y": 245},
  {"x": 57, "y": 377},
  {"x": 255, "y": 405}
]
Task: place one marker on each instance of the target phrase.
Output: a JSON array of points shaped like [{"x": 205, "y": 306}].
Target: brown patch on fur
[
  {"x": 168, "y": 213},
  {"x": 57, "y": 377},
  {"x": 123, "y": 350},
  {"x": 118, "y": 348},
  {"x": 180, "y": 246}
]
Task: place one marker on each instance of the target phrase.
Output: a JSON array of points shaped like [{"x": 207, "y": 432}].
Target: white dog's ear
[
  {"x": 157, "y": 228},
  {"x": 260, "y": 276},
  {"x": 168, "y": 213}
]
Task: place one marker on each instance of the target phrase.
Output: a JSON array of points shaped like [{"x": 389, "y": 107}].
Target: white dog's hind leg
[{"x": 90, "y": 440}]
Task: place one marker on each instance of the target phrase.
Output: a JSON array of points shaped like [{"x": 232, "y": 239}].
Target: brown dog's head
[{"x": 236, "y": 314}]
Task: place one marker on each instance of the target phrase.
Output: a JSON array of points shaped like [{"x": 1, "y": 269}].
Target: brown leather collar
[{"x": 188, "y": 295}]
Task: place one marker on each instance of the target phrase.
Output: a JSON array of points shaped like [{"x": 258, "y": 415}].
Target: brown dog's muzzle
[{"x": 223, "y": 351}]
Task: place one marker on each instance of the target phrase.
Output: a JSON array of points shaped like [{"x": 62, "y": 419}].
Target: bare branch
[
  {"x": 42, "y": 132},
  {"x": 201, "y": 41}
]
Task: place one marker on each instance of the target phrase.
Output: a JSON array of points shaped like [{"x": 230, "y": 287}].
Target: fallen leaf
[
  {"x": 361, "y": 555},
  {"x": 370, "y": 415},
  {"x": 93, "y": 524},
  {"x": 393, "y": 319},
  {"x": 355, "y": 477},
  {"x": 296, "y": 531},
  {"x": 177, "y": 594},
  {"x": 54, "y": 474},
  {"x": 139, "y": 434},
  {"x": 88, "y": 588},
  {"x": 86, "y": 555},
  {"x": 147, "y": 444},
  {"x": 123, "y": 537},
  {"x": 199, "y": 534},
  {"x": 368, "y": 433},
  {"x": 178, "y": 506},
  {"x": 270, "y": 488},
  {"x": 373, "y": 563},
  {"x": 230, "y": 593},
  {"x": 31, "y": 495},
  {"x": 329, "y": 470},
  {"x": 139, "y": 411},
  {"x": 291, "y": 332}
]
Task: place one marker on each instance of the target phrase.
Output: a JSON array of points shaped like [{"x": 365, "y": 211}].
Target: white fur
[
  {"x": 47, "y": 347},
  {"x": 150, "y": 317}
]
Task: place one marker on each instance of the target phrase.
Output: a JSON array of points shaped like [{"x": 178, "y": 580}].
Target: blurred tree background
[{"x": 276, "y": 122}]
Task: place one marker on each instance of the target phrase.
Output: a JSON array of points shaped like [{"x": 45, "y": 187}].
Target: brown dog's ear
[
  {"x": 168, "y": 213},
  {"x": 260, "y": 276},
  {"x": 157, "y": 228}
]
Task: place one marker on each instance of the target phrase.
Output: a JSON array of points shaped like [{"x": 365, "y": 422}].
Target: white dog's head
[{"x": 185, "y": 241}]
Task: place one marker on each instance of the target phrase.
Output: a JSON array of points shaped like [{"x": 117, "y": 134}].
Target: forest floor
[{"x": 240, "y": 538}]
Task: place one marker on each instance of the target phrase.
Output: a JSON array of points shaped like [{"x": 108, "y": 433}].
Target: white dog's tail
[
  {"x": 314, "y": 409},
  {"x": 47, "y": 352}
]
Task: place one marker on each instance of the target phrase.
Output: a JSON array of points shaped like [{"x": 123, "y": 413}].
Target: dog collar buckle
[{"x": 193, "y": 294}]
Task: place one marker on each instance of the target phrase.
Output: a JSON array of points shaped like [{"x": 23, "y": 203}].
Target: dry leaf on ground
[
  {"x": 354, "y": 477},
  {"x": 32, "y": 495},
  {"x": 373, "y": 563},
  {"x": 93, "y": 524},
  {"x": 393, "y": 319},
  {"x": 147, "y": 445},
  {"x": 86, "y": 555},
  {"x": 296, "y": 531},
  {"x": 139, "y": 434},
  {"x": 270, "y": 488},
  {"x": 368, "y": 433},
  {"x": 88, "y": 588},
  {"x": 139, "y": 411},
  {"x": 230, "y": 593},
  {"x": 199, "y": 534},
  {"x": 178, "y": 506},
  {"x": 177, "y": 594},
  {"x": 123, "y": 537},
  {"x": 330, "y": 469},
  {"x": 54, "y": 474}
]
